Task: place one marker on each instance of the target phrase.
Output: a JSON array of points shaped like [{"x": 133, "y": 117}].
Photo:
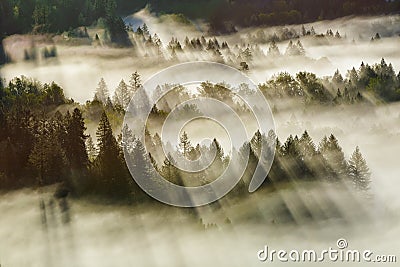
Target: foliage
[{"x": 379, "y": 80}]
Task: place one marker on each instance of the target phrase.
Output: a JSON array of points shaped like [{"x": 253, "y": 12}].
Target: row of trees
[
  {"x": 300, "y": 158},
  {"x": 297, "y": 159},
  {"x": 283, "y": 12},
  {"x": 378, "y": 80},
  {"x": 40, "y": 147},
  {"x": 285, "y": 33},
  {"x": 123, "y": 93},
  {"x": 57, "y": 16},
  {"x": 239, "y": 55}
]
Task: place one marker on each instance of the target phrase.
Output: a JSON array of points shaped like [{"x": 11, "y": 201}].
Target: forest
[
  {"x": 75, "y": 77},
  {"x": 43, "y": 142},
  {"x": 223, "y": 16}
]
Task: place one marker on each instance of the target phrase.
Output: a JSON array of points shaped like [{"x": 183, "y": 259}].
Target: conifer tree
[
  {"x": 101, "y": 93},
  {"x": 47, "y": 157},
  {"x": 91, "y": 149},
  {"x": 185, "y": 145},
  {"x": 306, "y": 146},
  {"x": 273, "y": 50},
  {"x": 359, "y": 171},
  {"x": 135, "y": 82},
  {"x": 122, "y": 96},
  {"x": 75, "y": 142},
  {"x": 111, "y": 174},
  {"x": 332, "y": 152}
]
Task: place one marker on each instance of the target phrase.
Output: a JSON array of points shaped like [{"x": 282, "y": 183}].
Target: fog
[
  {"x": 79, "y": 68},
  {"x": 101, "y": 234}
]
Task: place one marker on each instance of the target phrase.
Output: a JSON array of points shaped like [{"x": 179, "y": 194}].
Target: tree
[
  {"x": 75, "y": 142},
  {"x": 306, "y": 146},
  {"x": 117, "y": 29},
  {"x": 135, "y": 82},
  {"x": 332, "y": 152},
  {"x": 300, "y": 48},
  {"x": 122, "y": 96},
  {"x": 273, "y": 50},
  {"x": 91, "y": 149},
  {"x": 111, "y": 177},
  {"x": 47, "y": 158},
  {"x": 303, "y": 30},
  {"x": 101, "y": 93},
  {"x": 170, "y": 172},
  {"x": 247, "y": 54},
  {"x": 185, "y": 145},
  {"x": 145, "y": 30},
  {"x": 337, "y": 78},
  {"x": 141, "y": 164},
  {"x": 359, "y": 171}
]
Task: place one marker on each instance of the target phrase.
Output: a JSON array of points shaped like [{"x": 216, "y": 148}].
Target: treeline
[
  {"x": 299, "y": 159},
  {"x": 223, "y": 15},
  {"x": 56, "y": 16},
  {"x": 40, "y": 145},
  {"x": 378, "y": 82}
]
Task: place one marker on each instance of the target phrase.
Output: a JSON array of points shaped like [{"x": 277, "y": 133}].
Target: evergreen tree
[
  {"x": 91, "y": 149},
  {"x": 300, "y": 48},
  {"x": 359, "y": 171},
  {"x": 122, "y": 96},
  {"x": 306, "y": 146},
  {"x": 47, "y": 157},
  {"x": 140, "y": 161},
  {"x": 145, "y": 30},
  {"x": 75, "y": 142},
  {"x": 185, "y": 145},
  {"x": 337, "y": 78},
  {"x": 273, "y": 50},
  {"x": 111, "y": 174},
  {"x": 135, "y": 82},
  {"x": 101, "y": 93},
  {"x": 332, "y": 152},
  {"x": 170, "y": 172}
]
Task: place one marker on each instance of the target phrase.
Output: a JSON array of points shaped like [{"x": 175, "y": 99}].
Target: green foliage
[
  {"x": 47, "y": 158},
  {"x": 379, "y": 80},
  {"x": 109, "y": 175}
]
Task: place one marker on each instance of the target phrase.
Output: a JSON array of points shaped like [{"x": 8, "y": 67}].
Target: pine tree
[
  {"x": 337, "y": 78},
  {"x": 140, "y": 162},
  {"x": 101, "y": 93},
  {"x": 273, "y": 50},
  {"x": 300, "y": 48},
  {"x": 145, "y": 30},
  {"x": 75, "y": 142},
  {"x": 289, "y": 49},
  {"x": 47, "y": 157},
  {"x": 306, "y": 146},
  {"x": 170, "y": 172},
  {"x": 91, "y": 149},
  {"x": 256, "y": 143},
  {"x": 303, "y": 30},
  {"x": 185, "y": 145},
  {"x": 110, "y": 170},
  {"x": 122, "y": 96},
  {"x": 359, "y": 171},
  {"x": 332, "y": 152},
  {"x": 135, "y": 82}
]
